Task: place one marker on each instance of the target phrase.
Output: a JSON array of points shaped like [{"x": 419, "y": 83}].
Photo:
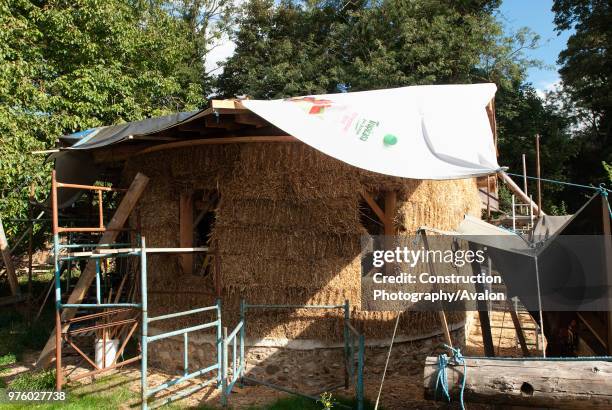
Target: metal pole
[
  {"x": 144, "y": 325},
  {"x": 242, "y": 339},
  {"x": 185, "y": 354},
  {"x": 538, "y": 175},
  {"x": 513, "y": 214},
  {"x": 224, "y": 370},
  {"x": 58, "y": 289},
  {"x": 219, "y": 348},
  {"x": 98, "y": 293}
]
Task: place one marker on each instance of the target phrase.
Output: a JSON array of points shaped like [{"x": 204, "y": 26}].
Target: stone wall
[{"x": 306, "y": 370}]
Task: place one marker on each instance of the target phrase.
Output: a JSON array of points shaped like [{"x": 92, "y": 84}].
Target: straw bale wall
[{"x": 288, "y": 230}]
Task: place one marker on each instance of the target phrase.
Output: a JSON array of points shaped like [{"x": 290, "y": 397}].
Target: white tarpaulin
[{"x": 422, "y": 132}]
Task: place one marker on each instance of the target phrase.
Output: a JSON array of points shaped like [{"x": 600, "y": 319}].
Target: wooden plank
[
  {"x": 118, "y": 220},
  {"x": 518, "y": 328},
  {"x": 217, "y": 141},
  {"x": 372, "y": 204},
  {"x": 533, "y": 383},
  {"x": 483, "y": 309},
  {"x": 8, "y": 263},
  {"x": 186, "y": 231},
  {"x": 607, "y": 231}
]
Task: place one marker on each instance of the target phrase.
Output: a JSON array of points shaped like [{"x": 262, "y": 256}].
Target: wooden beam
[
  {"x": 483, "y": 309},
  {"x": 186, "y": 231},
  {"x": 518, "y": 328},
  {"x": 530, "y": 383},
  {"x": 492, "y": 121},
  {"x": 222, "y": 122},
  {"x": 372, "y": 204},
  {"x": 607, "y": 236},
  {"x": 390, "y": 211},
  {"x": 82, "y": 287},
  {"x": 218, "y": 141},
  {"x": 250, "y": 119},
  {"x": 518, "y": 191},
  {"x": 8, "y": 262}
]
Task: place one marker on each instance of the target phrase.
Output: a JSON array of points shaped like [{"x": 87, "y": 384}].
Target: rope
[
  {"x": 442, "y": 378},
  {"x": 554, "y": 181},
  {"x": 382, "y": 381},
  {"x": 603, "y": 191}
]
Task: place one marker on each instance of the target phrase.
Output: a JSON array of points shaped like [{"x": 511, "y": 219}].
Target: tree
[
  {"x": 521, "y": 114},
  {"x": 307, "y": 47},
  {"x": 586, "y": 68},
  {"x": 72, "y": 65}
]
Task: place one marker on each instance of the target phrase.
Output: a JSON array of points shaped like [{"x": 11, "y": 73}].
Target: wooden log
[
  {"x": 532, "y": 383},
  {"x": 121, "y": 215},
  {"x": 512, "y": 186}
]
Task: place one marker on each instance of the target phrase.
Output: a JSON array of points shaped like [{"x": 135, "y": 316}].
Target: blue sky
[{"x": 536, "y": 15}]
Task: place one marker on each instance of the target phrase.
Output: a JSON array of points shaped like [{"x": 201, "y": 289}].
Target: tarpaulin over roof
[
  {"x": 103, "y": 136},
  {"x": 422, "y": 132}
]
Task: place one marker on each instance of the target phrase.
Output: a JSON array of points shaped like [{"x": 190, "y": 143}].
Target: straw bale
[{"x": 288, "y": 231}]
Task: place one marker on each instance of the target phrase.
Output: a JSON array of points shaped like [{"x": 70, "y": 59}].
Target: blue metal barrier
[
  {"x": 147, "y": 391},
  {"x": 354, "y": 342}
]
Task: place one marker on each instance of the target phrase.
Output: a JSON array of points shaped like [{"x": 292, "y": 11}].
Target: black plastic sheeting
[{"x": 103, "y": 136}]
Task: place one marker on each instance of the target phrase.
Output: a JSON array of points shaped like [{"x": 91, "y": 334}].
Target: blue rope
[
  {"x": 554, "y": 181},
  {"x": 442, "y": 378},
  {"x": 603, "y": 191}
]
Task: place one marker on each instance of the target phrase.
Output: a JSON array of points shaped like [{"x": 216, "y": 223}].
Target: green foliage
[
  {"x": 586, "y": 73},
  {"x": 327, "y": 401},
  {"x": 302, "y": 47},
  {"x": 72, "y": 65},
  {"x": 521, "y": 114},
  {"x": 608, "y": 169},
  {"x": 34, "y": 381}
]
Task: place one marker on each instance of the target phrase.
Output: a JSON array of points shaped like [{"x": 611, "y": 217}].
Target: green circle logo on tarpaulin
[{"x": 389, "y": 140}]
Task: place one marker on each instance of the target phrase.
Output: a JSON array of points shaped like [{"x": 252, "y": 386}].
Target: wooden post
[
  {"x": 390, "y": 210},
  {"x": 538, "y": 175},
  {"x": 441, "y": 314},
  {"x": 80, "y": 290},
  {"x": 8, "y": 262},
  {"x": 488, "y": 198},
  {"x": 186, "y": 231},
  {"x": 218, "y": 278},
  {"x": 607, "y": 231},
  {"x": 530, "y": 383},
  {"x": 483, "y": 309}
]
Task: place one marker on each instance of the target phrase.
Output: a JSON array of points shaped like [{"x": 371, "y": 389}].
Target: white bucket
[{"x": 111, "y": 352}]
